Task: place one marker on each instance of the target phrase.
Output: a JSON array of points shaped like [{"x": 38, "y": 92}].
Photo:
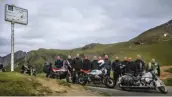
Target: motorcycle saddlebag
[{"x": 127, "y": 80}]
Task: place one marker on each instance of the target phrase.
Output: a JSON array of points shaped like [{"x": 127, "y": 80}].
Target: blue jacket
[{"x": 59, "y": 63}]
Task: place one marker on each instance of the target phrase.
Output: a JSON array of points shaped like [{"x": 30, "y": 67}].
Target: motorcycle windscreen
[
  {"x": 96, "y": 72},
  {"x": 147, "y": 75}
]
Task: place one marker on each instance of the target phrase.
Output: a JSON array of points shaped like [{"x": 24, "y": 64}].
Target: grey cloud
[
  {"x": 66, "y": 24},
  {"x": 4, "y": 41}
]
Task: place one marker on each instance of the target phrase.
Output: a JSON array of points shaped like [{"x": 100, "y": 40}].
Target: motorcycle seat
[
  {"x": 85, "y": 71},
  {"x": 58, "y": 69}
]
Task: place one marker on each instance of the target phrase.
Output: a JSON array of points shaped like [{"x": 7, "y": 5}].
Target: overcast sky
[{"x": 66, "y": 24}]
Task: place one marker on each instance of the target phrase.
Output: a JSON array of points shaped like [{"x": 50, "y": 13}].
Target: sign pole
[
  {"x": 14, "y": 15},
  {"x": 12, "y": 46}
]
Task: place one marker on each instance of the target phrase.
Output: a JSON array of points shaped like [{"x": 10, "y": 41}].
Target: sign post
[
  {"x": 14, "y": 15},
  {"x": 12, "y": 46}
]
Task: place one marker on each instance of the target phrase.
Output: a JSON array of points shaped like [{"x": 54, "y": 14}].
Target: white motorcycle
[
  {"x": 144, "y": 81},
  {"x": 96, "y": 77}
]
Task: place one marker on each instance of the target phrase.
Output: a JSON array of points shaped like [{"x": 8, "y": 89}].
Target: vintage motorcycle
[
  {"x": 146, "y": 80},
  {"x": 58, "y": 73},
  {"x": 95, "y": 77}
]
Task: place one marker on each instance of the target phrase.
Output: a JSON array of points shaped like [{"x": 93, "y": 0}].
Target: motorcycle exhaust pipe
[{"x": 137, "y": 87}]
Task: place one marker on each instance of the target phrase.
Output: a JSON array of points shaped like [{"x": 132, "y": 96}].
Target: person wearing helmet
[
  {"x": 116, "y": 68},
  {"x": 101, "y": 63},
  {"x": 154, "y": 67}
]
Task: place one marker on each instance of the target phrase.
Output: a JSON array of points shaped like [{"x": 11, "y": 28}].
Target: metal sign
[{"x": 16, "y": 14}]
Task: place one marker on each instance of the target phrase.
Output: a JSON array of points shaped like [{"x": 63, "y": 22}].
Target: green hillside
[{"x": 152, "y": 45}]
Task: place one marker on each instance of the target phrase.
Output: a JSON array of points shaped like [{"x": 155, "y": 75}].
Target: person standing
[
  {"x": 154, "y": 67},
  {"x": 107, "y": 64},
  {"x": 77, "y": 63},
  {"x": 140, "y": 65},
  {"x": 116, "y": 69},
  {"x": 69, "y": 63},
  {"x": 94, "y": 63},
  {"x": 124, "y": 66},
  {"x": 101, "y": 63},
  {"x": 59, "y": 62},
  {"x": 131, "y": 67},
  {"x": 77, "y": 66},
  {"x": 86, "y": 64}
]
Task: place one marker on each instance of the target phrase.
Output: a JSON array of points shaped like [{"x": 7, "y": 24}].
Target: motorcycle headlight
[{"x": 147, "y": 79}]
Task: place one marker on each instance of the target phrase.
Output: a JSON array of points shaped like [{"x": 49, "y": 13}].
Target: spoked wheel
[
  {"x": 109, "y": 82},
  {"x": 82, "y": 81}
]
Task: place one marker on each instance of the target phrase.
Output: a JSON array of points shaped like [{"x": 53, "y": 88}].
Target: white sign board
[{"x": 16, "y": 14}]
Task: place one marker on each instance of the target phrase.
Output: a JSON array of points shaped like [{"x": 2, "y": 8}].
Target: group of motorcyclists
[{"x": 117, "y": 66}]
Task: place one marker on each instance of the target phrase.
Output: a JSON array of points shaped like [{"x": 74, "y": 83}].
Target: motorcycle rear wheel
[
  {"x": 82, "y": 81},
  {"x": 109, "y": 82}
]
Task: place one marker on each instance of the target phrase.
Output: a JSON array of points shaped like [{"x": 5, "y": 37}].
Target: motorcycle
[
  {"x": 95, "y": 77},
  {"x": 147, "y": 80},
  {"x": 59, "y": 73},
  {"x": 30, "y": 71}
]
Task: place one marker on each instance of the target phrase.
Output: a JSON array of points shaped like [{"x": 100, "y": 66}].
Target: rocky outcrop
[{"x": 7, "y": 59}]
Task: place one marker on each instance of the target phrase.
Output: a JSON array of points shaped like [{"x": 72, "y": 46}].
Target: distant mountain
[
  {"x": 17, "y": 55},
  {"x": 159, "y": 33},
  {"x": 90, "y": 46}
]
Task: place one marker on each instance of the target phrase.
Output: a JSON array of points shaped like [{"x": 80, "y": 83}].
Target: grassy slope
[
  {"x": 161, "y": 51},
  {"x": 14, "y": 84}
]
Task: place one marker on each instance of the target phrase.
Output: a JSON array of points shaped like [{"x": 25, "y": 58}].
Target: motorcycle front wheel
[{"x": 163, "y": 88}]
